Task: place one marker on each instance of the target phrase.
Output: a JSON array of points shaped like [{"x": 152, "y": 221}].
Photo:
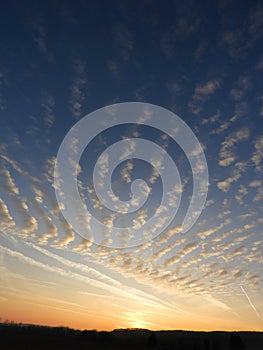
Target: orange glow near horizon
[
  {"x": 96, "y": 314},
  {"x": 74, "y": 295},
  {"x": 65, "y": 295}
]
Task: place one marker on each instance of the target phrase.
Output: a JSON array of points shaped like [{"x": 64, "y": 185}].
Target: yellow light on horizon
[{"x": 137, "y": 320}]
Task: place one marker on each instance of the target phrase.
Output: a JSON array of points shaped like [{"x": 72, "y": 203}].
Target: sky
[{"x": 61, "y": 61}]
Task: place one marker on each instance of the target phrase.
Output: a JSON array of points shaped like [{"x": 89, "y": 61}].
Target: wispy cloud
[
  {"x": 48, "y": 105},
  {"x": 7, "y": 222},
  {"x": 250, "y": 302},
  {"x": 258, "y": 153},
  {"x": 78, "y": 92},
  {"x": 114, "y": 68},
  {"x": 29, "y": 223},
  {"x": 202, "y": 93},
  {"x": 226, "y": 154}
]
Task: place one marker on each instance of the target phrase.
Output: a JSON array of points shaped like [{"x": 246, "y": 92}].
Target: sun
[
  {"x": 137, "y": 320},
  {"x": 137, "y": 323}
]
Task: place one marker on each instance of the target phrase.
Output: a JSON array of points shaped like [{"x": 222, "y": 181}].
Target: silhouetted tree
[
  {"x": 216, "y": 345},
  {"x": 152, "y": 341},
  {"x": 196, "y": 346},
  {"x": 236, "y": 342},
  {"x": 104, "y": 337},
  {"x": 206, "y": 344},
  {"x": 91, "y": 335}
]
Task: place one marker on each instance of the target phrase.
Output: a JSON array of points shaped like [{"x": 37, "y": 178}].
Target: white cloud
[
  {"x": 202, "y": 93},
  {"x": 6, "y": 221},
  {"x": 255, "y": 183},
  {"x": 226, "y": 152},
  {"x": 258, "y": 153},
  {"x": 259, "y": 195},
  {"x": 77, "y": 89},
  {"x": 188, "y": 248},
  {"x": 126, "y": 172},
  {"x": 28, "y": 224},
  {"x": 48, "y": 105}
]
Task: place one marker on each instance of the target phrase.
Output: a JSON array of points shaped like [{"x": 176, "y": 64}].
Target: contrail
[{"x": 250, "y": 302}]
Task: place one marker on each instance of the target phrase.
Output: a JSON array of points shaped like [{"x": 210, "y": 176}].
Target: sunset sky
[{"x": 60, "y": 61}]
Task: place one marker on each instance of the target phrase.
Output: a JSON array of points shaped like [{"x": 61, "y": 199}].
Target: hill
[{"x": 21, "y": 336}]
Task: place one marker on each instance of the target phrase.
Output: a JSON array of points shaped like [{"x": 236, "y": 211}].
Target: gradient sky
[{"x": 61, "y": 60}]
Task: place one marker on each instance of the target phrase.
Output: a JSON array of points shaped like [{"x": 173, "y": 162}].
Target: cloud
[
  {"x": 187, "y": 24},
  {"x": 103, "y": 169},
  {"x": 220, "y": 238},
  {"x": 256, "y": 20},
  {"x": 44, "y": 215},
  {"x": 40, "y": 37},
  {"x": 140, "y": 219},
  {"x": 14, "y": 164},
  {"x": 241, "y": 86},
  {"x": 7, "y": 223},
  {"x": 216, "y": 302},
  {"x": 259, "y": 195},
  {"x": 126, "y": 172},
  {"x": 211, "y": 120},
  {"x": 2, "y": 84},
  {"x": 225, "y": 185},
  {"x": 49, "y": 169},
  {"x": 225, "y": 125},
  {"x": 92, "y": 277},
  {"x": 77, "y": 90},
  {"x": 242, "y": 191},
  {"x": 114, "y": 68},
  {"x": 238, "y": 251},
  {"x": 236, "y": 94},
  {"x": 202, "y": 93},
  {"x": 48, "y": 105},
  {"x": 168, "y": 44},
  {"x": 260, "y": 63},
  {"x": 129, "y": 150},
  {"x": 169, "y": 247},
  {"x": 64, "y": 231},
  {"x": 50, "y": 230},
  {"x": 257, "y": 155},
  {"x": 214, "y": 229},
  {"x": 226, "y": 152},
  {"x": 28, "y": 224},
  {"x": 189, "y": 19},
  {"x": 174, "y": 87},
  {"x": 206, "y": 89},
  {"x": 8, "y": 183},
  {"x": 124, "y": 41},
  {"x": 251, "y": 304},
  {"x": 200, "y": 50},
  {"x": 237, "y": 43},
  {"x": 68, "y": 234},
  {"x": 188, "y": 248},
  {"x": 76, "y": 266},
  {"x": 139, "y": 263},
  {"x": 255, "y": 183},
  {"x": 147, "y": 263}
]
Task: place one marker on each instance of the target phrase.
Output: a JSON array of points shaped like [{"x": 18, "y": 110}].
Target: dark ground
[{"x": 27, "y": 337}]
